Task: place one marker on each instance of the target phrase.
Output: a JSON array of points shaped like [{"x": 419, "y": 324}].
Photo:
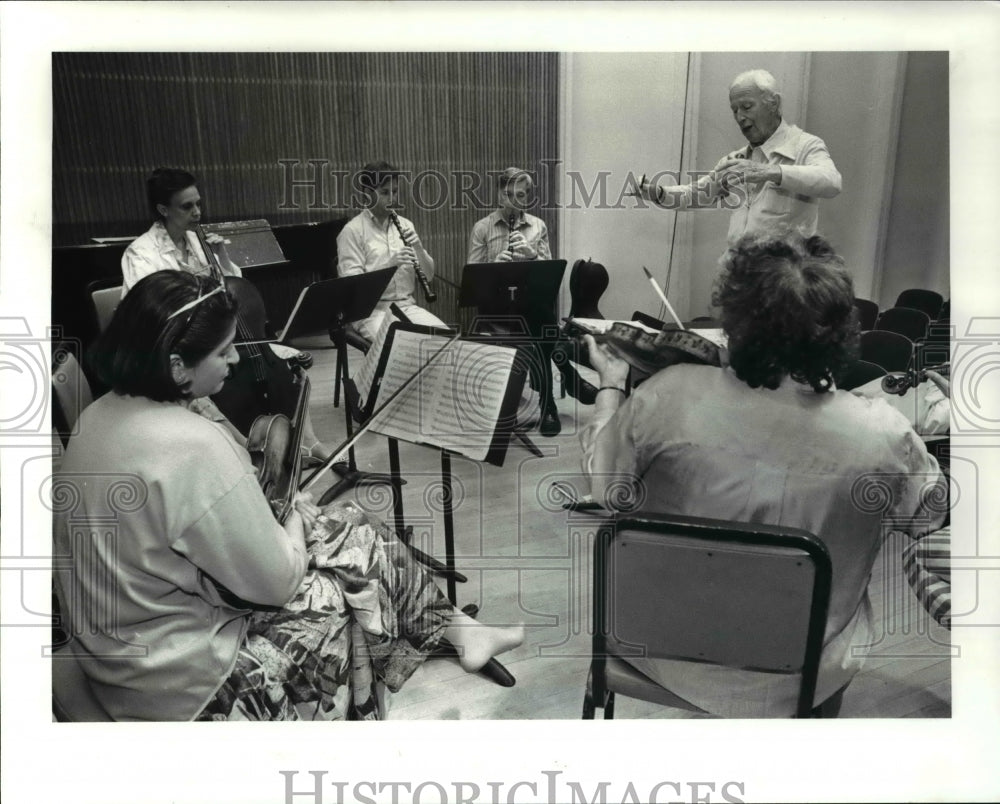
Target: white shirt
[
  {"x": 156, "y": 251},
  {"x": 703, "y": 443},
  {"x": 807, "y": 175}
]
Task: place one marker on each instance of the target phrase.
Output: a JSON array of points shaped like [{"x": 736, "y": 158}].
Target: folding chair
[
  {"x": 104, "y": 297},
  {"x": 70, "y": 392},
  {"x": 904, "y": 320},
  {"x": 927, "y": 301},
  {"x": 890, "y": 350},
  {"x": 704, "y": 590},
  {"x": 867, "y": 313}
]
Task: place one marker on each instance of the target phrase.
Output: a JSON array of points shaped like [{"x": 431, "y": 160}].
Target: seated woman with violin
[
  {"x": 196, "y": 603},
  {"x": 265, "y": 383},
  {"x": 769, "y": 439}
]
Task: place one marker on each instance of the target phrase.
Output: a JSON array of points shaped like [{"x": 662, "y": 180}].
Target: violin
[
  {"x": 899, "y": 382},
  {"x": 650, "y": 352},
  {"x": 262, "y": 382},
  {"x": 274, "y": 444}
]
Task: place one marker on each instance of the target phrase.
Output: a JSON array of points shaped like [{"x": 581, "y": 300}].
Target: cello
[{"x": 262, "y": 382}]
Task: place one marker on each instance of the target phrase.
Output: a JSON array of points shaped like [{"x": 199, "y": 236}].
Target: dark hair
[
  {"x": 163, "y": 183},
  {"x": 787, "y": 308},
  {"x": 132, "y": 355},
  {"x": 375, "y": 174}
]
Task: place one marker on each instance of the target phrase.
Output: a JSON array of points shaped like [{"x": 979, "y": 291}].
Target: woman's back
[{"x": 160, "y": 507}]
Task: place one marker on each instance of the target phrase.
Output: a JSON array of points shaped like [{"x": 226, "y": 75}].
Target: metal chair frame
[{"x": 717, "y": 537}]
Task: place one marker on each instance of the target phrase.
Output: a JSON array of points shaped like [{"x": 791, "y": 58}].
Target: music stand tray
[
  {"x": 333, "y": 303},
  {"x": 511, "y": 288}
]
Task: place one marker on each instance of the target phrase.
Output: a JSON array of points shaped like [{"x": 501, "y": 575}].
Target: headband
[{"x": 195, "y": 302}]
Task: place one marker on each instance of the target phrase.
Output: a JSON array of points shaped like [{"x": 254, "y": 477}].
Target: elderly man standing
[{"x": 775, "y": 182}]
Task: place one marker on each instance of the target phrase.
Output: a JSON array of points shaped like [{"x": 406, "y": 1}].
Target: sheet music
[
  {"x": 366, "y": 374},
  {"x": 455, "y": 404}
]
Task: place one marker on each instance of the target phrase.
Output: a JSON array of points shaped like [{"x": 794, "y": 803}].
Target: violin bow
[{"x": 350, "y": 442}]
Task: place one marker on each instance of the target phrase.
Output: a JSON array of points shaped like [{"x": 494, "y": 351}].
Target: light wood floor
[{"x": 529, "y": 561}]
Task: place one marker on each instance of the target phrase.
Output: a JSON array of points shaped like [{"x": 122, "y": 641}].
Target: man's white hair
[{"x": 764, "y": 81}]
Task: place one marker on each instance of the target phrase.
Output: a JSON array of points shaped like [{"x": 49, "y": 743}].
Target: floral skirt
[{"x": 365, "y": 614}]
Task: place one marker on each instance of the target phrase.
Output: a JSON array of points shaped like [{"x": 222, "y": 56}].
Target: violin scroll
[{"x": 899, "y": 382}]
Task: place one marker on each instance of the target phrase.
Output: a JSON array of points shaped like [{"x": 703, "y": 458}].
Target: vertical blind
[{"x": 248, "y": 125}]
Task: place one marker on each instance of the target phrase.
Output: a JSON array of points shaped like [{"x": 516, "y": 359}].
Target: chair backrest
[
  {"x": 858, "y": 373},
  {"x": 70, "y": 392},
  {"x": 867, "y": 313},
  {"x": 734, "y": 594},
  {"x": 104, "y": 296},
  {"x": 927, "y": 301},
  {"x": 890, "y": 350},
  {"x": 904, "y": 320}
]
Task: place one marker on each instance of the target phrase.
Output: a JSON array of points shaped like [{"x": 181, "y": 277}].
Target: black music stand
[
  {"x": 494, "y": 453},
  {"x": 520, "y": 298},
  {"x": 332, "y": 304}
]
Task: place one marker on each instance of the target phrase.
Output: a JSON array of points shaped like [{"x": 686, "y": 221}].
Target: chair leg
[
  {"x": 609, "y": 707},
  {"x": 588, "y": 706}
]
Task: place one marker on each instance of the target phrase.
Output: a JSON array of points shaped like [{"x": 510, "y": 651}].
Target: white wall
[
  {"x": 621, "y": 112},
  {"x": 882, "y": 115}
]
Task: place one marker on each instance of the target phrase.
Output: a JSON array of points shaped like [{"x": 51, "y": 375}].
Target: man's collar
[
  {"x": 778, "y": 141},
  {"x": 498, "y": 217}
]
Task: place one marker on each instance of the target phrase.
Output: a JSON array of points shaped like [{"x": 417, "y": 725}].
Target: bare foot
[
  {"x": 485, "y": 642},
  {"x": 477, "y": 643}
]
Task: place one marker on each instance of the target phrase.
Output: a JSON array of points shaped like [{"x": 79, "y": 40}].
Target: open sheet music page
[
  {"x": 366, "y": 374},
  {"x": 455, "y": 404}
]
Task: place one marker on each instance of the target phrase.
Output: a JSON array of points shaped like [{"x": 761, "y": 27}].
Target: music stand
[
  {"x": 511, "y": 292},
  {"x": 488, "y": 443},
  {"x": 332, "y": 304}
]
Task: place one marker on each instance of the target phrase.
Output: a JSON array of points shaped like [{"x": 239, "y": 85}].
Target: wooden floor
[{"x": 529, "y": 561}]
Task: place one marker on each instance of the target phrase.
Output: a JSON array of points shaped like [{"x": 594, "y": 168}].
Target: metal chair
[
  {"x": 890, "y": 350},
  {"x": 867, "y": 313},
  {"x": 70, "y": 392},
  {"x": 927, "y": 301},
  {"x": 360, "y": 343},
  {"x": 105, "y": 294},
  {"x": 703, "y": 590},
  {"x": 904, "y": 320},
  {"x": 858, "y": 373}
]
